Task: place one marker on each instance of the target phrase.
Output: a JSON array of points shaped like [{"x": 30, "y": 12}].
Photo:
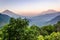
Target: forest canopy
[{"x": 19, "y": 29}]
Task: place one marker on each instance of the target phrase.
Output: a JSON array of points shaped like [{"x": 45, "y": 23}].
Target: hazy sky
[{"x": 27, "y": 7}]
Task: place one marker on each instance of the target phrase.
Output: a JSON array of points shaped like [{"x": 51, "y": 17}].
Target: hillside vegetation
[{"x": 19, "y": 29}]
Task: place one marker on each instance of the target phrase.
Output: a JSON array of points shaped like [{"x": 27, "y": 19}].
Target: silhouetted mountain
[
  {"x": 11, "y": 14},
  {"x": 49, "y": 11},
  {"x": 37, "y": 20},
  {"x": 4, "y": 19}
]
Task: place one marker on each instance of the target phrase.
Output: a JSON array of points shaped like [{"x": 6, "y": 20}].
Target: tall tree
[{"x": 15, "y": 29}]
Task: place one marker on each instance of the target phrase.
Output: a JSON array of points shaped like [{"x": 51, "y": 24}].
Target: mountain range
[
  {"x": 54, "y": 20},
  {"x": 47, "y": 17},
  {"x": 44, "y": 19},
  {"x": 11, "y": 14}
]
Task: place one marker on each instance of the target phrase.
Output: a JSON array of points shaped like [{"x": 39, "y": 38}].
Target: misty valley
[
  {"x": 40, "y": 27},
  {"x": 29, "y": 19}
]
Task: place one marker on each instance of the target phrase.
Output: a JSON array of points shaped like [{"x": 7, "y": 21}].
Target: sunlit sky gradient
[{"x": 29, "y": 7}]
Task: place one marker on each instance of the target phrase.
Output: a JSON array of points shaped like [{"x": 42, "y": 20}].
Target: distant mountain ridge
[
  {"x": 11, "y": 14},
  {"x": 49, "y": 11},
  {"x": 38, "y": 20},
  {"x": 42, "y": 19},
  {"x": 54, "y": 20}
]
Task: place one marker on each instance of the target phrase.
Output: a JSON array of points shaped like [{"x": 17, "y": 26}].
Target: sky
[{"x": 29, "y": 7}]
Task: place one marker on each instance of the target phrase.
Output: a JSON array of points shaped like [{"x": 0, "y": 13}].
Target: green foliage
[
  {"x": 53, "y": 36},
  {"x": 40, "y": 37},
  {"x": 47, "y": 30},
  {"x": 19, "y": 29},
  {"x": 0, "y": 34},
  {"x": 30, "y": 34},
  {"x": 57, "y": 26},
  {"x": 14, "y": 30}
]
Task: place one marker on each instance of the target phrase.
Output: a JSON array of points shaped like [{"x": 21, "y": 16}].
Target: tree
[
  {"x": 53, "y": 36},
  {"x": 0, "y": 34},
  {"x": 47, "y": 30},
  {"x": 57, "y": 25},
  {"x": 40, "y": 37},
  {"x": 15, "y": 29},
  {"x": 31, "y": 33}
]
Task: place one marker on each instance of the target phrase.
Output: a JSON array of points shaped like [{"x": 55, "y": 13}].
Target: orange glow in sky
[{"x": 29, "y": 7}]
